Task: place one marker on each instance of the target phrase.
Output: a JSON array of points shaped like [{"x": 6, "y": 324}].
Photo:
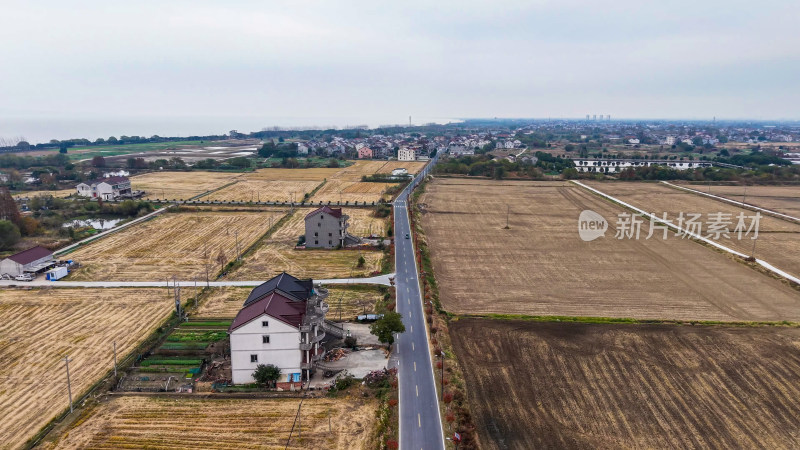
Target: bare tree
[{"x": 221, "y": 259}]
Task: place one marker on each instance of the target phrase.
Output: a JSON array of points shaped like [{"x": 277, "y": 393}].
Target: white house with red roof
[
  {"x": 282, "y": 323},
  {"x": 107, "y": 188}
]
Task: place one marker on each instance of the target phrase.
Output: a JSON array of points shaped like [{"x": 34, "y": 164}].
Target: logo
[{"x": 591, "y": 225}]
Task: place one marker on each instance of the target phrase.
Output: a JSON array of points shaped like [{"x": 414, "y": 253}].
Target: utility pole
[
  {"x": 754, "y": 249},
  {"x": 195, "y": 292},
  {"x": 115, "y": 359},
  {"x": 69, "y": 385},
  {"x": 442, "y": 354},
  {"x": 744, "y": 196},
  {"x": 508, "y": 212}
]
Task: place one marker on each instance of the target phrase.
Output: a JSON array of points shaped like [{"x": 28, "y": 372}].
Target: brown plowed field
[
  {"x": 207, "y": 423},
  {"x": 540, "y": 266},
  {"x": 171, "y": 244},
  {"x": 277, "y": 253},
  {"x": 39, "y": 327},
  {"x": 778, "y": 240},
  {"x": 567, "y": 385},
  {"x": 782, "y": 199}
]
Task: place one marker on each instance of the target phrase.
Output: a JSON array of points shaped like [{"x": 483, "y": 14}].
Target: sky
[{"x": 351, "y": 62}]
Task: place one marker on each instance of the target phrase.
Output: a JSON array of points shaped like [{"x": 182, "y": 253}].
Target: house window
[
  {"x": 253, "y": 358},
  {"x": 330, "y": 234},
  {"x": 265, "y": 339},
  {"x": 330, "y": 242},
  {"x": 265, "y": 323},
  {"x": 316, "y": 234},
  {"x": 319, "y": 224},
  {"x": 316, "y": 242}
]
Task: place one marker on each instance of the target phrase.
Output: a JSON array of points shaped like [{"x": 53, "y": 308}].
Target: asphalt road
[{"x": 420, "y": 423}]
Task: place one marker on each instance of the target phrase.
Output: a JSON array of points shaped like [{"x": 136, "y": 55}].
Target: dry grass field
[
  {"x": 351, "y": 191},
  {"x": 61, "y": 193},
  {"x": 782, "y": 199},
  {"x": 412, "y": 166},
  {"x": 278, "y": 253},
  {"x": 212, "y": 423},
  {"x": 540, "y": 266},
  {"x": 778, "y": 240},
  {"x": 560, "y": 385},
  {"x": 263, "y": 190},
  {"x": 180, "y": 185},
  {"x": 313, "y": 174},
  {"x": 41, "y": 326},
  {"x": 171, "y": 244},
  {"x": 225, "y": 302}
]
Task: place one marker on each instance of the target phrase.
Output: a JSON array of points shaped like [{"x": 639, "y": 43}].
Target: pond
[{"x": 97, "y": 224}]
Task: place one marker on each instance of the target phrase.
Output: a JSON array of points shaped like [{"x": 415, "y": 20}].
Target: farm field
[
  {"x": 542, "y": 267},
  {"x": 61, "y": 193},
  {"x": 778, "y": 240},
  {"x": 41, "y": 326},
  {"x": 180, "y": 185},
  {"x": 263, "y": 190},
  {"x": 171, "y": 244},
  {"x": 352, "y": 191},
  {"x": 277, "y": 253},
  {"x": 570, "y": 385},
  {"x": 225, "y": 302},
  {"x": 782, "y": 199},
  {"x": 210, "y": 423}
]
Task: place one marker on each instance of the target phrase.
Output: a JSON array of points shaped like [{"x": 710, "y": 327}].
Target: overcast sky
[{"x": 387, "y": 60}]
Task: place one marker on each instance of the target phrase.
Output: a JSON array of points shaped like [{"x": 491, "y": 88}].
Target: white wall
[
  {"x": 283, "y": 349},
  {"x": 10, "y": 267}
]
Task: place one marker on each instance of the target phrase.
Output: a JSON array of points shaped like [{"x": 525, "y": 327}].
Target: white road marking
[
  {"x": 419, "y": 420},
  {"x": 412, "y": 328},
  {"x": 412, "y": 347},
  {"x": 415, "y": 366},
  {"x": 409, "y": 314},
  {"x": 417, "y": 390}
]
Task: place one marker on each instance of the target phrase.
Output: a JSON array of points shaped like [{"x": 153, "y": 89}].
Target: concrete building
[
  {"x": 406, "y": 154},
  {"x": 282, "y": 323},
  {"x": 108, "y": 188},
  {"x": 31, "y": 260},
  {"x": 326, "y": 227},
  {"x": 364, "y": 153}
]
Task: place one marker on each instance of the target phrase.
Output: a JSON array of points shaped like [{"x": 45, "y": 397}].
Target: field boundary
[
  {"x": 211, "y": 191},
  {"x": 695, "y": 236},
  {"x": 235, "y": 264},
  {"x": 734, "y": 202}
]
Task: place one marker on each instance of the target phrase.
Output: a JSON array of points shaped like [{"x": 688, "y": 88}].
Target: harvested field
[
  {"x": 225, "y": 302},
  {"x": 180, "y": 185},
  {"x": 171, "y": 244},
  {"x": 411, "y": 166},
  {"x": 782, "y": 199},
  {"x": 41, "y": 326},
  {"x": 313, "y": 174},
  {"x": 61, "y": 193},
  {"x": 277, "y": 254},
  {"x": 348, "y": 191},
  {"x": 195, "y": 423},
  {"x": 261, "y": 190},
  {"x": 222, "y": 302},
  {"x": 567, "y": 385},
  {"x": 778, "y": 240},
  {"x": 542, "y": 266}
]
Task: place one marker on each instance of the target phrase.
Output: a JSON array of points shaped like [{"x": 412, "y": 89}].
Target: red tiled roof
[
  {"x": 274, "y": 305},
  {"x": 30, "y": 255},
  {"x": 335, "y": 212}
]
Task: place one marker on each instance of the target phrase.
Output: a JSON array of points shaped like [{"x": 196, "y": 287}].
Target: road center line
[
  {"x": 412, "y": 347},
  {"x": 415, "y": 366}
]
